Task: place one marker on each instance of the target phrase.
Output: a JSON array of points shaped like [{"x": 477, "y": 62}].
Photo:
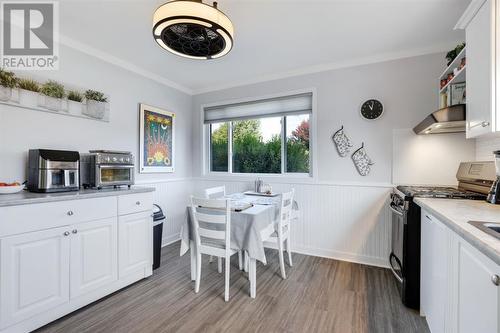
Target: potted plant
[
  {"x": 8, "y": 81},
  {"x": 53, "y": 93},
  {"x": 75, "y": 99},
  {"x": 96, "y": 104},
  {"x": 28, "y": 92}
]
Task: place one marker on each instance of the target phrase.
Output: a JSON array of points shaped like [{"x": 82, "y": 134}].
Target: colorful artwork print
[{"x": 157, "y": 140}]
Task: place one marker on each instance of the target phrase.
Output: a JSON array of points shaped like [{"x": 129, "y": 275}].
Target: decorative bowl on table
[{"x": 10, "y": 188}]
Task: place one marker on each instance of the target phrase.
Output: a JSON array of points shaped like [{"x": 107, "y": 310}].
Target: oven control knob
[
  {"x": 115, "y": 159},
  {"x": 122, "y": 159},
  {"x": 107, "y": 159}
]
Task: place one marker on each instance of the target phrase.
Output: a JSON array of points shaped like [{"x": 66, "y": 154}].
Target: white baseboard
[
  {"x": 169, "y": 240},
  {"x": 314, "y": 252},
  {"x": 337, "y": 255}
]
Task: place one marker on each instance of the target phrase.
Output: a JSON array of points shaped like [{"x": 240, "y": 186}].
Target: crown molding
[
  {"x": 87, "y": 49},
  {"x": 383, "y": 57},
  {"x": 469, "y": 14}
]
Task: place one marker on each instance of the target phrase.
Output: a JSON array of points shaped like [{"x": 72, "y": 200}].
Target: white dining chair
[
  {"x": 218, "y": 193},
  {"x": 281, "y": 232},
  {"x": 212, "y": 235}
]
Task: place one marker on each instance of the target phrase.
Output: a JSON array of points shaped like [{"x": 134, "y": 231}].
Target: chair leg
[
  {"x": 219, "y": 264},
  {"x": 289, "y": 251},
  {"x": 282, "y": 260},
  {"x": 245, "y": 261},
  {"x": 227, "y": 263},
  {"x": 240, "y": 261},
  {"x": 198, "y": 272}
]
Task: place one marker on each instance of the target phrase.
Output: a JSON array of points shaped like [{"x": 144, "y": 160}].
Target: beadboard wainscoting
[
  {"x": 342, "y": 221},
  {"x": 173, "y": 197}
]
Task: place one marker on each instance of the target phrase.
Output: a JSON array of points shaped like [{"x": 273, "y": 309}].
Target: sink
[{"x": 491, "y": 228}]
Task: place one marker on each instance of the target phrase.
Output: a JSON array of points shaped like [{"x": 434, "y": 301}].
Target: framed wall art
[{"x": 157, "y": 140}]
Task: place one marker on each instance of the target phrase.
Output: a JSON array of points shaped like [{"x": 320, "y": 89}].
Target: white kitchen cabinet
[
  {"x": 94, "y": 257},
  {"x": 477, "y": 307},
  {"x": 434, "y": 272},
  {"x": 457, "y": 289},
  {"x": 479, "y": 22},
  {"x": 34, "y": 273},
  {"x": 135, "y": 242},
  {"x": 56, "y": 257}
]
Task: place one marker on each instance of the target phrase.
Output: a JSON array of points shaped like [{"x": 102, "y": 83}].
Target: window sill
[{"x": 296, "y": 178}]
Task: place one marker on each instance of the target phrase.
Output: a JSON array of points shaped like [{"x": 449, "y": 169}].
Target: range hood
[{"x": 446, "y": 120}]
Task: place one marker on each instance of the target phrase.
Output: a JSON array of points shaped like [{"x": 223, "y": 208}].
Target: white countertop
[
  {"x": 456, "y": 213},
  {"x": 25, "y": 197}
]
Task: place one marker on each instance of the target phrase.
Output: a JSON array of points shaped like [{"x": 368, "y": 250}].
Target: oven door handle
[
  {"x": 394, "y": 210},
  {"x": 115, "y": 166},
  {"x": 392, "y": 267}
]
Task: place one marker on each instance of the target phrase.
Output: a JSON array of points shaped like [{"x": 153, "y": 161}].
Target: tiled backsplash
[{"x": 485, "y": 148}]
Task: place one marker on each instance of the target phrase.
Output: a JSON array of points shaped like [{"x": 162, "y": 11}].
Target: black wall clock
[{"x": 371, "y": 109}]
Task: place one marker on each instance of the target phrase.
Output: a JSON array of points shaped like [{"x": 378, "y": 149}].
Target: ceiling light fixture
[{"x": 192, "y": 29}]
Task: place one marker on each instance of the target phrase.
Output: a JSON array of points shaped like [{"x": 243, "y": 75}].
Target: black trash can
[{"x": 158, "y": 219}]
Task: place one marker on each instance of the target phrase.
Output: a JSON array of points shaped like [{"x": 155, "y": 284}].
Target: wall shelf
[{"x": 460, "y": 77}]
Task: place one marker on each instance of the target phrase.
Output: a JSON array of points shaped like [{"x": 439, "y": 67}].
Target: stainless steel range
[{"x": 474, "y": 182}]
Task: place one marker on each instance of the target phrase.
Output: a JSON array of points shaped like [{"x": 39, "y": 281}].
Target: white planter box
[
  {"x": 95, "y": 109},
  {"x": 5, "y": 94},
  {"x": 28, "y": 98},
  {"x": 75, "y": 108},
  {"x": 51, "y": 103}
]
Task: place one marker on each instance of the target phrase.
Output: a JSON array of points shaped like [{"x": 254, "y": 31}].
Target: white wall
[
  {"x": 485, "y": 148},
  {"x": 343, "y": 214},
  {"x": 22, "y": 129},
  {"x": 429, "y": 159}
]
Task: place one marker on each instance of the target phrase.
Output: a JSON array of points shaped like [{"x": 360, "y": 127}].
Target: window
[{"x": 262, "y": 137}]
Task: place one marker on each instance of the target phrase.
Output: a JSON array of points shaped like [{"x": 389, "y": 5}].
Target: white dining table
[{"x": 247, "y": 228}]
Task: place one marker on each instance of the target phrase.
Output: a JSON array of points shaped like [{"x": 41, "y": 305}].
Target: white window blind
[{"x": 273, "y": 107}]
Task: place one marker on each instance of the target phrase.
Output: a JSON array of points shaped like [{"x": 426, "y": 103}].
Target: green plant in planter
[
  {"x": 8, "y": 79},
  {"x": 29, "y": 84},
  {"x": 95, "y": 96},
  {"x": 451, "y": 55},
  {"x": 75, "y": 96},
  {"x": 52, "y": 89}
]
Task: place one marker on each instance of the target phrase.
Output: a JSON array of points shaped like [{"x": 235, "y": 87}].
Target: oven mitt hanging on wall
[
  {"x": 342, "y": 142},
  {"x": 362, "y": 161}
]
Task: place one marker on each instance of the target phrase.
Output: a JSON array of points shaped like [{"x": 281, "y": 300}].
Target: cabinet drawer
[
  {"x": 26, "y": 218},
  {"x": 135, "y": 203}
]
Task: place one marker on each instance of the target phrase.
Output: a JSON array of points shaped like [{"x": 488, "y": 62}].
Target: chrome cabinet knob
[
  {"x": 138, "y": 203},
  {"x": 495, "y": 279},
  {"x": 485, "y": 123},
  {"x": 66, "y": 233},
  {"x": 74, "y": 231},
  {"x": 70, "y": 213}
]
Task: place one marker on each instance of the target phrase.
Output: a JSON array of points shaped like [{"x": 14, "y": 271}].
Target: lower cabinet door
[
  {"x": 434, "y": 272},
  {"x": 94, "y": 257},
  {"x": 134, "y": 242},
  {"x": 34, "y": 274},
  {"x": 478, "y": 296}
]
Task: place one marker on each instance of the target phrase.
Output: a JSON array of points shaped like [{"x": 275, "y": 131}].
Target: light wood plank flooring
[{"x": 320, "y": 295}]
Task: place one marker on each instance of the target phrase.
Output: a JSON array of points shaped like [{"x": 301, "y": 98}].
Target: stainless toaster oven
[{"x": 104, "y": 168}]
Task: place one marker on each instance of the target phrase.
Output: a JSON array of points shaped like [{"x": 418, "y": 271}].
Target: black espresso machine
[{"x": 53, "y": 170}]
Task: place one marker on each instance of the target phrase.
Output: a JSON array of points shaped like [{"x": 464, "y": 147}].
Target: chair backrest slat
[
  {"x": 213, "y": 234},
  {"x": 209, "y": 203},
  {"x": 215, "y": 192},
  {"x": 285, "y": 209},
  {"x": 211, "y": 220}
]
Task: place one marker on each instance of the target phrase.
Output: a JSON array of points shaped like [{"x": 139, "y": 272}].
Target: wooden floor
[{"x": 320, "y": 295}]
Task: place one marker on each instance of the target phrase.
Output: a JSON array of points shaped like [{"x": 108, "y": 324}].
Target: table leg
[
  {"x": 252, "y": 276},
  {"x": 192, "y": 251}
]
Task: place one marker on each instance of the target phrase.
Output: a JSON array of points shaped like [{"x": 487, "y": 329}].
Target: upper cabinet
[{"x": 479, "y": 22}]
